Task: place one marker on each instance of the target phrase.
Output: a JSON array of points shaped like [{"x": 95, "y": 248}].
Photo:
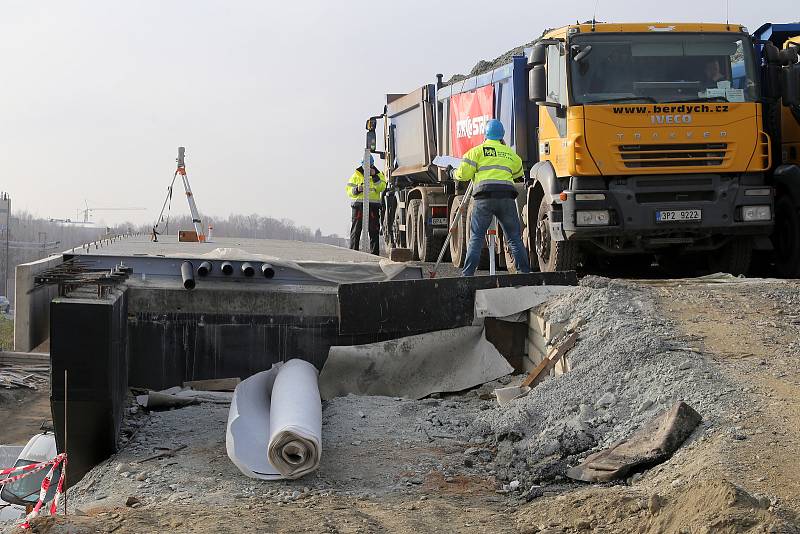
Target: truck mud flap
[{"x": 406, "y": 307}]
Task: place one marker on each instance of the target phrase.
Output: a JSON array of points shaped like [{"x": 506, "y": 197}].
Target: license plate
[
  {"x": 439, "y": 221},
  {"x": 678, "y": 215}
]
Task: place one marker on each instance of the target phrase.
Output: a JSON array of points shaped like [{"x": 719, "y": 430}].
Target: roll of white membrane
[{"x": 274, "y": 426}]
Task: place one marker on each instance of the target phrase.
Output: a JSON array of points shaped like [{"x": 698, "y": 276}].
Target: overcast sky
[{"x": 269, "y": 98}]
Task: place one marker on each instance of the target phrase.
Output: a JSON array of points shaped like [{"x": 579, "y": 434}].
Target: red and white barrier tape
[{"x": 25, "y": 470}]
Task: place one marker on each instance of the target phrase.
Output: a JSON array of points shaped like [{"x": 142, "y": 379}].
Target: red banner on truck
[{"x": 469, "y": 113}]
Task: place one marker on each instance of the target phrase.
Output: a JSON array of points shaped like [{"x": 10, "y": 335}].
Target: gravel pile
[
  {"x": 628, "y": 366},
  {"x": 485, "y": 66}
]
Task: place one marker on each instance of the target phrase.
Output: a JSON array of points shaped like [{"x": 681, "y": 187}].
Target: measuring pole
[
  {"x": 492, "y": 246},
  {"x": 5, "y": 205},
  {"x": 64, "y": 463},
  {"x": 198, "y": 224},
  {"x": 365, "y": 168},
  {"x": 453, "y": 225}
]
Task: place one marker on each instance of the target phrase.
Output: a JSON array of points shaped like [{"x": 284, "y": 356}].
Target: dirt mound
[
  {"x": 706, "y": 506},
  {"x": 628, "y": 367}
]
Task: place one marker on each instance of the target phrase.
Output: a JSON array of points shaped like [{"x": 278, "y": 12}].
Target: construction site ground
[{"x": 444, "y": 464}]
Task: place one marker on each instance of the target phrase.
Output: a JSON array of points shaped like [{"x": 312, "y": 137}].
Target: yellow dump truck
[{"x": 639, "y": 140}]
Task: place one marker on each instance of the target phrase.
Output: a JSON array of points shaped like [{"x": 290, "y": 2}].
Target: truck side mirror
[
  {"x": 537, "y": 84},
  {"x": 371, "y": 140},
  {"x": 790, "y": 85},
  {"x": 538, "y": 55}
]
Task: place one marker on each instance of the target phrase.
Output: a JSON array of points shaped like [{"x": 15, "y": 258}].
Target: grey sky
[{"x": 268, "y": 97}]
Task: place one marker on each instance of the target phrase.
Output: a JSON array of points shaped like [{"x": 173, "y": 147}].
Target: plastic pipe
[
  {"x": 248, "y": 270},
  {"x": 267, "y": 270},
  {"x": 204, "y": 268},
  {"x": 187, "y": 274},
  {"x": 227, "y": 268}
]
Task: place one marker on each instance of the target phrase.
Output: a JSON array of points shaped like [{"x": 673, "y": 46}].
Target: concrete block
[
  {"x": 400, "y": 254},
  {"x": 32, "y": 307},
  {"x": 537, "y": 341},
  {"x": 536, "y": 322},
  {"x": 535, "y": 353}
]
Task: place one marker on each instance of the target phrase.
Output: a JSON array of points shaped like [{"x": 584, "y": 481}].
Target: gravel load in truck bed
[{"x": 485, "y": 66}]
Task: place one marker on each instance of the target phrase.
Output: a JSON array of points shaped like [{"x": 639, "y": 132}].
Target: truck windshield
[{"x": 661, "y": 68}]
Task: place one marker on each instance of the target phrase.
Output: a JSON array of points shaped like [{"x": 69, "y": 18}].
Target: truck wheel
[
  {"x": 733, "y": 258},
  {"x": 509, "y": 257},
  {"x": 511, "y": 267},
  {"x": 411, "y": 227},
  {"x": 428, "y": 246},
  {"x": 458, "y": 244},
  {"x": 396, "y": 234},
  {"x": 528, "y": 239},
  {"x": 786, "y": 237},
  {"x": 483, "y": 264},
  {"x": 552, "y": 255}
]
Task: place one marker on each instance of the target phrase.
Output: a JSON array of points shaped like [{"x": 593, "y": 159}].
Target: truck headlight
[
  {"x": 756, "y": 213},
  {"x": 592, "y": 218}
]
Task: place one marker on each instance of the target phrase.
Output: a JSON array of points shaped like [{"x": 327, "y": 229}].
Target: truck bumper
[{"x": 633, "y": 204}]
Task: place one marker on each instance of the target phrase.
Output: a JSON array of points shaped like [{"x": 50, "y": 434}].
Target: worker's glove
[
  {"x": 356, "y": 189},
  {"x": 450, "y": 172}
]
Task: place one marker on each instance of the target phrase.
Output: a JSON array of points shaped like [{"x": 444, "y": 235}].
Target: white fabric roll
[
  {"x": 295, "y": 425},
  {"x": 274, "y": 426}
]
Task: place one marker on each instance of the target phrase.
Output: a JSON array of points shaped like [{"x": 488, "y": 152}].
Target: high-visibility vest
[
  {"x": 375, "y": 187},
  {"x": 492, "y": 166}
]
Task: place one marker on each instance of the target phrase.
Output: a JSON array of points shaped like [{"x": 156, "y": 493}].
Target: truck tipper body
[
  {"x": 780, "y": 78},
  {"x": 638, "y": 140}
]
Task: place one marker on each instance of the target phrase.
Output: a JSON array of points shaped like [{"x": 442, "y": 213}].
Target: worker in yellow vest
[
  {"x": 493, "y": 167},
  {"x": 355, "y": 192}
]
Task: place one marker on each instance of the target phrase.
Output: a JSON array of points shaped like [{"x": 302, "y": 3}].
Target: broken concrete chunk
[
  {"x": 651, "y": 445},
  {"x": 213, "y": 384},
  {"x": 506, "y": 395},
  {"x": 606, "y": 400},
  {"x": 155, "y": 400}
]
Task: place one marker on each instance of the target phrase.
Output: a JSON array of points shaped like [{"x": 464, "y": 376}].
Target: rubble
[
  {"x": 24, "y": 376},
  {"x": 626, "y": 369}
]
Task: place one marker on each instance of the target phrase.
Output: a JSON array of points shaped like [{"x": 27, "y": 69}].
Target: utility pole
[
  {"x": 5, "y": 206},
  {"x": 365, "y": 168}
]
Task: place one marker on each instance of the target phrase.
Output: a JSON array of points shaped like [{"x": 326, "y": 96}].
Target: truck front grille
[{"x": 677, "y": 155}]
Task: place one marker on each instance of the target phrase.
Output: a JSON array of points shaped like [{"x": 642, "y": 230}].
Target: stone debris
[
  {"x": 625, "y": 370},
  {"x": 27, "y": 376}
]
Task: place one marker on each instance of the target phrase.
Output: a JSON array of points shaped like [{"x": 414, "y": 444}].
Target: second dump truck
[{"x": 638, "y": 140}]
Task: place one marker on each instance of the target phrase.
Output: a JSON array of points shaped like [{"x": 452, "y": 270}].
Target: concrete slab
[
  {"x": 168, "y": 245},
  {"x": 32, "y": 306}
]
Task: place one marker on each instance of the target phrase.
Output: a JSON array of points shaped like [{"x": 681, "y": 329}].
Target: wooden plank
[
  {"x": 553, "y": 356},
  {"x": 213, "y": 384},
  {"x": 24, "y": 358},
  {"x": 409, "y": 307}
]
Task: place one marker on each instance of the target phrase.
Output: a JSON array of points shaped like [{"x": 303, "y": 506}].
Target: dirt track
[{"x": 22, "y": 412}]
